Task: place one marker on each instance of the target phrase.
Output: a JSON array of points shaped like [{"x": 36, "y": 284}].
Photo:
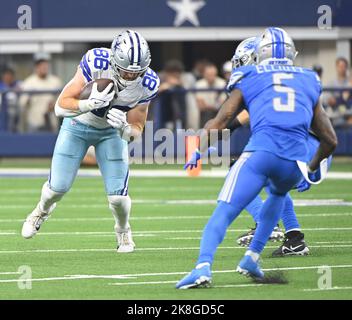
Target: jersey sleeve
[
  {"x": 94, "y": 62},
  {"x": 86, "y": 65},
  {"x": 150, "y": 83},
  {"x": 235, "y": 80},
  {"x": 317, "y": 86}
]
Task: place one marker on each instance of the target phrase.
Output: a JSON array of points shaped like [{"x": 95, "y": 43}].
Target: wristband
[{"x": 83, "y": 106}]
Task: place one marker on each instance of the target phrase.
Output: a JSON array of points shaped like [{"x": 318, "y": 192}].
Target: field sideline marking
[{"x": 133, "y": 276}]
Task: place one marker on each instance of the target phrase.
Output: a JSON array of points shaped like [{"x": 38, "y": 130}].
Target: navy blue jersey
[{"x": 280, "y": 101}]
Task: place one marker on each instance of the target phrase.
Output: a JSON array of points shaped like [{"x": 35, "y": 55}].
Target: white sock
[
  {"x": 48, "y": 197},
  {"x": 120, "y": 207},
  {"x": 254, "y": 255}
]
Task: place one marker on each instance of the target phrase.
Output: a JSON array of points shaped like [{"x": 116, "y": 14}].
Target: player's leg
[
  {"x": 254, "y": 208},
  {"x": 293, "y": 243},
  {"x": 69, "y": 150},
  {"x": 243, "y": 183},
  {"x": 283, "y": 174},
  {"x": 112, "y": 158}
]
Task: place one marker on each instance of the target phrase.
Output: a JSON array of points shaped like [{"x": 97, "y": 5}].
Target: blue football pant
[
  {"x": 71, "y": 146},
  {"x": 246, "y": 178}
]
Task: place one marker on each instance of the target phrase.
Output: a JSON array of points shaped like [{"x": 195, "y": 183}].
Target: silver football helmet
[
  {"x": 245, "y": 53},
  {"x": 275, "y": 46},
  {"x": 130, "y": 57}
]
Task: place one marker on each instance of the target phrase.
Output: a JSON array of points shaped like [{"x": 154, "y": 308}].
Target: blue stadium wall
[{"x": 157, "y": 13}]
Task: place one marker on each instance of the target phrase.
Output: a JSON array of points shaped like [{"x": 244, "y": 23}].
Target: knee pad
[
  {"x": 48, "y": 193},
  {"x": 117, "y": 201}
]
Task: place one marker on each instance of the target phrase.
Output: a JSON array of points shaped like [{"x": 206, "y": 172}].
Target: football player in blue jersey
[
  {"x": 106, "y": 120},
  {"x": 283, "y": 103},
  {"x": 294, "y": 243}
]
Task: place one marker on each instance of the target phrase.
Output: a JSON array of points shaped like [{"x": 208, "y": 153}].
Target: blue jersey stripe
[
  {"x": 88, "y": 78},
  {"x": 85, "y": 62}
]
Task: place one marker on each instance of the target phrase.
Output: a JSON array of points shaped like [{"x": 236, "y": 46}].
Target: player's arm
[
  {"x": 137, "y": 118},
  {"x": 132, "y": 125},
  {"x": 322, "y": 127},
  {"x": 68, "y": 103},
  {"x": 240, "y": 120},
  {"x": 223, "y": 117}
]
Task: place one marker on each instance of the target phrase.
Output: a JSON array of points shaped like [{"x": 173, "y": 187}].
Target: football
[{"x": 102, "y": 84}]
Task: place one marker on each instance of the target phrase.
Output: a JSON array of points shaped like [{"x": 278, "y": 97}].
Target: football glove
[
  {"x": 118, "y": 120},
  {"x": 304, "y": 185},
  {"x": 196, "y": 156},
  {"x": 97, "y": 99}
]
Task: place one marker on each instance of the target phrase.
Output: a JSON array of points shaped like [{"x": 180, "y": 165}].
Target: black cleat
[
  {"x": 245, "y": 239},
  {"x": 293, "y": 245}
]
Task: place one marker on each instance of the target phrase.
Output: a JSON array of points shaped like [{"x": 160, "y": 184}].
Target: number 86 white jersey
[{"x": 95, "y": 64}]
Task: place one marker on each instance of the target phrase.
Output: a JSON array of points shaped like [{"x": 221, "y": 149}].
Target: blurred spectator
[
  {"x": 198, "y": 68},
  {"x": 209, "y": 101},
  {"x": 339, "y": 104},
  {"x": 38, "y": 108},
  {"x": 319, "y": 70},
  {"x": 173, "y": 103},
  {"x": 226, "y": 70},
  {"x": 9, "y": 82}
]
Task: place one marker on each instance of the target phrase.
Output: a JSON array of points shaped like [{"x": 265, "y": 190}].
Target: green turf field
[{"x": 74, "y": 257}]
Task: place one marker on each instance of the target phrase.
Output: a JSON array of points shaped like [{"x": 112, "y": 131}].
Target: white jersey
[{"x": 95, "y": 64}]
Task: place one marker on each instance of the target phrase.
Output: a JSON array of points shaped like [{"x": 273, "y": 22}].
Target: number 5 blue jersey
[{"x": 280, "y": 101}]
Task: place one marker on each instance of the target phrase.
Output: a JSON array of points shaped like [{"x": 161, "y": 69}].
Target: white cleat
[
  {"x": 34, "y": 221},
  {"x": 125, "y": 243}
]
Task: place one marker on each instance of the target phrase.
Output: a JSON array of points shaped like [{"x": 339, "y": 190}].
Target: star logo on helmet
[{"x": 117, "y": 45}]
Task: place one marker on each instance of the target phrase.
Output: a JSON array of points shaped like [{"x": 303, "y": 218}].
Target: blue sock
[
  {"x": 268, "y": 218},
  {"x": 288, "y": 215},
  {"x": 254, "y": 208},
  {"x": 215, "y": 230}
]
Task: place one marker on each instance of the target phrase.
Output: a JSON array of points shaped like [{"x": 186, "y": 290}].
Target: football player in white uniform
[{"x": 108, "y": 121}]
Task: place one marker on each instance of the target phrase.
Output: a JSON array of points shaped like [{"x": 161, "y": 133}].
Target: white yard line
[
  {"x": 153, "y": 233},
  {"x": 173, "y": 217},
  {"x": 149, "y": 173},
  {"x": 327, "y": 289},
  {"x": 136, "y": 275},
  {"x": 35, "y": 251},
  {"x": 297, "y": 203}
]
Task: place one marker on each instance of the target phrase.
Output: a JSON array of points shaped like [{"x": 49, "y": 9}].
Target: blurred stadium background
[
  {"x": 191, "y": 41},
  {"x": 184, "y": 37}
]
